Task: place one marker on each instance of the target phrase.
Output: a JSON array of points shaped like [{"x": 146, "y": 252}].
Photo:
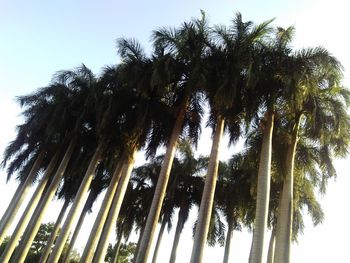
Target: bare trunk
[
  {"x": 77, "y": 206},
  {"x": 54, "y": 233},
  {"x": 22, "y": 224},
  {"x": 208, "y": 196},
  {"x": 157, "y": 202},
  {"x": 263, "y": 192},
  {"x": 19, "y": 197},
  {"x": 159, "y": 240},
  {"x": 76, "y": 230},
  {"x": 114, "y": 212},
  {"x": 228, "y": 243},
  {"x": 138, "y": 244},
  {"x": 271, "y": 253},
  {"x": 179, "y": 227},
  {"x": 285, "y": 211},
  {"x": 103, "y": 213},
  {"x": 36, "y": 220},
  {"x": 116, "y": 250}
]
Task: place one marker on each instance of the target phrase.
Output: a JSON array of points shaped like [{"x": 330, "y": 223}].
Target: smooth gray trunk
[
  {"x": 285, "y": 211},
  {"x": 26, "y": 216},
  {"x": 19, "y": 197},
  {"x": 206, "y": 205},
  {"x": 77, "y": 206},
  {"x": 270, "y": 254},
  {"x": 159, "y": 193},
  {"x": 54, "y": 233},
  {"x": 138, "y": 245},
  {"x": 36, "y": 220},
  {"x": 113, "y": 212},
  {"x": 179, "y": 227},
  {"x": 159, "y": 240},
  {"x": 116, "y": 250},
  {"x": 77, "y": 229},
  {"x": 263, "y": 193},
  {"x": 102, "y": 214},
  {"x": 228, "y": 243}
]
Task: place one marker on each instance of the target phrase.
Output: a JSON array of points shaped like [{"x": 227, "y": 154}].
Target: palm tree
[
  {"x": 68, "y": 85},
  {"x": 317, "y": 68},
  {"x": 226, "y": 96},
  {"x": 136, "y": 107},
  {"x": 269, "y": 69},
  {"x": 186, "y": 47}
]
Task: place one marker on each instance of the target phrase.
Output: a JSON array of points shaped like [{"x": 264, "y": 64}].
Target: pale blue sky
[{"x": 37, "y": 38}]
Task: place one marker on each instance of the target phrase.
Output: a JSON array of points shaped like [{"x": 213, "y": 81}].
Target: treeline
[{"x": 81, "y": 134}]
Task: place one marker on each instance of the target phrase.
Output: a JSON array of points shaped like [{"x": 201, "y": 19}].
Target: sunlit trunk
[
  {"x": 54, "y": 233},
  {"x": 77, "y": 229},
  {"x": 179, "y": 227},
  {"x": 18, "y": 198},
  {"x": 228, "y": 243},
  {"x": 37, "y": 218},
  {"x": 159, "y": 240},
  {"x": 285, "y": 211},
  {"x": 103, "y": 213},
  {"x": 157, "y": 202},
  {"x": 77, "y": 206},
  {"x": 270, "y": 254},
  {"x": 263, "y": 192},
  {"x": 26, "y": 216},
  {"x": 114, "y": 211},
  {"x": 208, "y": 195}
]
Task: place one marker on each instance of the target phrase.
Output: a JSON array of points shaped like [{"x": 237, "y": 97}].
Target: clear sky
[{"x": 40, "y": 37}]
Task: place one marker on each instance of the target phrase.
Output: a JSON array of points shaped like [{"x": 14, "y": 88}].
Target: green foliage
[
  {"x": 125, "y": 255},
  {"x": 39, "y": 244}
]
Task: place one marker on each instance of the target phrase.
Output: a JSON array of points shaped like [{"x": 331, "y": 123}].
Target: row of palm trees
[{"x": 82, "y": 132}]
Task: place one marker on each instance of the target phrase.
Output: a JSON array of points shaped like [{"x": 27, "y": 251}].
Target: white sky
[{"x": 41, "y": 37}]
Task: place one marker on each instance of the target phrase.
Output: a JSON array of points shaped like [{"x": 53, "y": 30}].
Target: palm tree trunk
[
  {"x": 77, "y": 206},
  {"x": 138, "y": 244},
  {"x": 285, "y": 211},
  {"x": 77, "y": 229},
  {"x": 162, "y": 183},
  {"x": 208, "y": 195},
  {"x": 36, "y": 220},
  {"x": 113, "y": 212},
  {"x": 228, "y": 242},
  {"x": 159, "y": 240},
  {"x": 54, "y": 233},
  {"x": 179, "y": 227},
  {"x": 116, "y": 250},
  {"x": 270, "y": 254},
  {"x": 263, "y": 192},
  {"x": 19, "y": 197},
  {"x": 103, "y": 213},
  {"x": 26, "y": 216}
]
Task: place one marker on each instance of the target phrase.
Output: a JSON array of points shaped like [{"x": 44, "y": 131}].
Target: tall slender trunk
[
  {"x": 263, "y": 192},
  {"x": 138, "y": 244},
  {"x": 270, "y": 254},
  {"x": 19, "y": 197},
  {"x": 159, "y": 240},
  {"x": 179, "y": 227},
  {"x": 116, "y": 250},
  {"x": 228, "y": 243},
  {"x": 103, "y": 213},
  {"x": 54, "y": 233},
  {"x": 36, "y": 220},
  {"x": 26, "y": 216},
  {"x": 206, "y": 205},
  {"x": 114, "y": 212},
  {"x": 285, "y": 211},
  {"x": 159, "y": 193},
  {"x": 77, "y": 206},
  {"x": 77, "y": 229}
]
